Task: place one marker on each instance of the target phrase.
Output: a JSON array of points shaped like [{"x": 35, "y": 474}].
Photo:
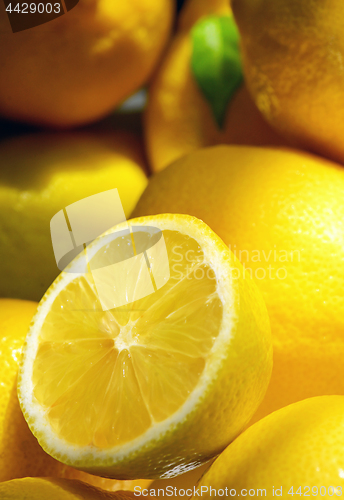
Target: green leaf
[{"x": 216, "y": 62}]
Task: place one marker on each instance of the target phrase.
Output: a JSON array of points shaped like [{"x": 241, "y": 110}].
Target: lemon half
[{"x": 157, "y": 386}]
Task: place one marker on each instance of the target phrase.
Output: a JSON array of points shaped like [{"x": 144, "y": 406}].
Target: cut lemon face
[{"x": 148, "y": 355}]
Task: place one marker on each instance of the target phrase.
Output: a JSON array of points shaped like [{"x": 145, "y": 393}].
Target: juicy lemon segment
[
  {"x": 117, "y": 391},
  {"x": 132, "y": 366}
]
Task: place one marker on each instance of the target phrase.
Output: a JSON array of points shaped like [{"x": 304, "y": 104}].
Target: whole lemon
[
  {"x": 40, "y": 175},
  {"x": 81, "y": 65},
  {"x": 20, "y": 453},
  {"x": 56, "y": 489},
  {"x": 298, "y": 450},
  {"x": 281, "y": 212},
  {"x": 179, "y": 118},
  {"x": 293, "y": 54}
]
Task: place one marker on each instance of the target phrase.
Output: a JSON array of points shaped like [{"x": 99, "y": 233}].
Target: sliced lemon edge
[{"x": 218, "y": 256}]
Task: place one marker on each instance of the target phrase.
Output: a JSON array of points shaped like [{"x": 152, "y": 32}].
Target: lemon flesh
[
  {"x": 136, "y": 390},
  {"x": 131, "y": 367}
]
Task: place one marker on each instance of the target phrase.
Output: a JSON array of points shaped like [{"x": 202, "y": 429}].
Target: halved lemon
[{"x": 152, "y": 370}]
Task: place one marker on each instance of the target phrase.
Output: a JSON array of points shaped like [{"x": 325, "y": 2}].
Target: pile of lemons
[{"x": 213, "y": 366}]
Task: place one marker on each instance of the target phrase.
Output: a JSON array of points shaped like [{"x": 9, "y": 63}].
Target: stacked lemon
[
  {"x": 41, "y": 175},
  {"x": 261, "y": 202},
  {"x": 81, "y": 65},
  {"x": 297, "y": 450}
]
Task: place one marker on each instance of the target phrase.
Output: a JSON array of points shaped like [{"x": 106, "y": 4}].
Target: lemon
[
  {"x": 158, "y": 385},
  {"x": 56, "y": 489},
  {"x": 42, "y": 174},
  {"x": 20, "y": 454},
  {"x": 81, "y": 65},
  {"x": 298, "y": 450},
  {"x": 292, "y": 55},
  {"x": 281, "y": 213},
  {"x": 179, "y": 118}
]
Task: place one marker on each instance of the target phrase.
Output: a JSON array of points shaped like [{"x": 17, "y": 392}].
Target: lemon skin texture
[
  {"x": 281, "y": 213},
  {"x": 42, "y": 174},
  {"x": 299, "y": 446},
  {"x": 292, "y": 53},
  {"x": 80, "y": 66}
]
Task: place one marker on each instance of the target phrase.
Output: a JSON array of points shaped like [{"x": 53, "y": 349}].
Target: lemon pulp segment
[{"x": 106, "y": 377}]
